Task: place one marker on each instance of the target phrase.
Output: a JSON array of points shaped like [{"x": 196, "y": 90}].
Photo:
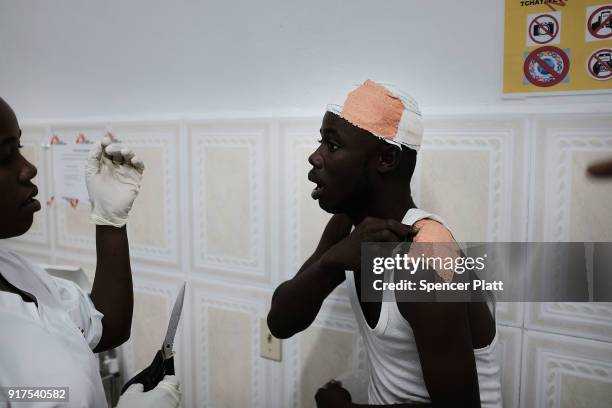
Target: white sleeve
[{"x": 81, "y": 310}]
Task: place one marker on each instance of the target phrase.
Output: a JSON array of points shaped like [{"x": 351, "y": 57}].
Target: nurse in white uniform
[{"x": 49, "y": 327}]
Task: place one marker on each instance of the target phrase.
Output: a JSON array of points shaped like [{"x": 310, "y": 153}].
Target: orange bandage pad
[
  {"x": 373, "y": 108},
  {"x": 443, "y": 243},
  {"x": 432, "y": 231}
]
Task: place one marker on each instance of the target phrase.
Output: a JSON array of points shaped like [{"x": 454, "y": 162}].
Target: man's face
[
  {"x": 17, "y": 203},
  {"x": 342, "y": 165}
]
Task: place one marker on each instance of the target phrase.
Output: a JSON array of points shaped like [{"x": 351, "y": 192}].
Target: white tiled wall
[{"x": 225, "y": 205}]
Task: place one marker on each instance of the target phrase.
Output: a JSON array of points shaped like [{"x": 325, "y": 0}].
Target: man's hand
[
  {"x": 167, "y": 394},
  {"x": 332, "y": 395},
  {"x": 346, "y": 254},
  {"x": 113, "y": 175}
]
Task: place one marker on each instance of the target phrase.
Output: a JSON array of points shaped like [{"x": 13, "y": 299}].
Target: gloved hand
[
  {"x": 167, "y": 394},
  {"x": 113, "y": 175}
]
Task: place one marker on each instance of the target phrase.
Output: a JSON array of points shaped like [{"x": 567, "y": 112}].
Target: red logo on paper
[
  {"x": 55, "y": 140},
  {"x": 81, "y": 139}
]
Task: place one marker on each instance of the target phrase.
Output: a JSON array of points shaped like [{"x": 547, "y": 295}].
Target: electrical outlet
[{"x": 270, "y": 345}]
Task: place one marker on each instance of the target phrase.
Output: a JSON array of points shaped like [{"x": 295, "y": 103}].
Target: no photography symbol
[{"x": 547, "y": 26}]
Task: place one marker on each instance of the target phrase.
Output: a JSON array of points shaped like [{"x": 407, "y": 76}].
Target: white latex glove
[
  {"x": 167, "y": 394},
  {"x": 113, "y": 175}
]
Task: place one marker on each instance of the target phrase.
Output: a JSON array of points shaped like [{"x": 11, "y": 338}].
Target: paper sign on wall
[
  {"x": 69, "y": 159},
  {"x": 557, "y": 46}
]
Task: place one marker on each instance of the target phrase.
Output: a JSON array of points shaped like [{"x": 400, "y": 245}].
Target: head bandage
[{"x": 383, "y": 111}]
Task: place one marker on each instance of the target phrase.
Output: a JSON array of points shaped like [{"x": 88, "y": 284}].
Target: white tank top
[{"x": 395, "y": 369}]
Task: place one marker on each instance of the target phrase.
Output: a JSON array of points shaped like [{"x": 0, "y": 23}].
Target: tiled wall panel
[
  {"x": 228, "y": 175},
  {"x": 154, "y": 230},
  {"x": 228, "y": 371},
  {"x": 565, "y": 371}
]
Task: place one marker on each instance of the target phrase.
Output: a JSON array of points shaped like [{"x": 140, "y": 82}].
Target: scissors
[{"x": 163, "y": 363}]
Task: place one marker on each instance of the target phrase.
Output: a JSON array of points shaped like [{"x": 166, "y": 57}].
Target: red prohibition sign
[
  {"x": 534, "y": 57},
  {"x": 602, "y": 24},
  {"x": 545, "y": 29},
  {"x": 596, "y": 59}
]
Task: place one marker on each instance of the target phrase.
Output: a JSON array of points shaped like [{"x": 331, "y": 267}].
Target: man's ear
[{"x": 388, "y": 158}]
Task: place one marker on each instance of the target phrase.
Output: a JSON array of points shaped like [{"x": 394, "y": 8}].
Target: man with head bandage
[
  {"x": 50, "y": 327},
  {"x": 437, "y": 354}
]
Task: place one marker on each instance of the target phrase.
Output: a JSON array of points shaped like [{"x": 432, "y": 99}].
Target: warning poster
[{"x": 557, "y": 46}]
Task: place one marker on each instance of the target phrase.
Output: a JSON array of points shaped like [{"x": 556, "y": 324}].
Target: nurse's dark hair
[{"x": 6, "y": 112}]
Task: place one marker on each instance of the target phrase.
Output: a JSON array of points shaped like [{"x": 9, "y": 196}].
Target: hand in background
[{"x": 600, "y": 169}]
